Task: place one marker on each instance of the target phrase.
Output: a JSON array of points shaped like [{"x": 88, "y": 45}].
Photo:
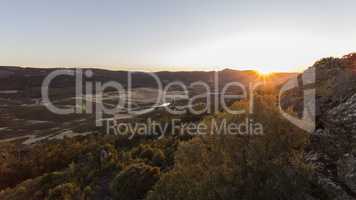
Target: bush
[
  {"x": 134, "y": 181},
  {"x": 151, "y": 156},
  {"x": 67, "y": 191},
  {"x": 267, "y": 166}
]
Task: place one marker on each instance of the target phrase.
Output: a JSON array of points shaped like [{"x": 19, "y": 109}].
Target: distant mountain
[{"x": 19, "y": 78}]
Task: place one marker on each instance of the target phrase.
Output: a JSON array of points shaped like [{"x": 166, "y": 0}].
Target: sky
[{"x": 154, "y": 35}]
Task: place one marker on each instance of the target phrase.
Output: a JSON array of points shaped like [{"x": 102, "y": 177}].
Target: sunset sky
[{"x": 153, "y": 35}]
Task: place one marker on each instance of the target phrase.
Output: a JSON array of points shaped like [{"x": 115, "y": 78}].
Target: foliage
[
  {"x": 134, "y": 181},
  {"x": 65, "y": 191},
  {"x": 152, "y": 156},
  {"x": 74, "y": 164},
  {"x": 240, "y": 166}
]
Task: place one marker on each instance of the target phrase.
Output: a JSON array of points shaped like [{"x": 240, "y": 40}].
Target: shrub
[
  {"x": 67, "y": 191},
  {"x": 134, "y": 181}
]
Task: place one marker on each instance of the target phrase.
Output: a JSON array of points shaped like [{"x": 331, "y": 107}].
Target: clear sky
[{"x": 277, "y": 35}]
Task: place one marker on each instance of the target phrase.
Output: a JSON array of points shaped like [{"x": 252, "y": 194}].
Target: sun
[{"x": 264, "y": 72}]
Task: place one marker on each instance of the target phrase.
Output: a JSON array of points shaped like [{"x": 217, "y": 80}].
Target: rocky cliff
[{"x": 333, "y": 144}]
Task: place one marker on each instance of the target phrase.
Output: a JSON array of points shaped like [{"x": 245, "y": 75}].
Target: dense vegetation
[
  {"x": 75, "y": 169},
  {"x": 206, "y": 167},
  {"x": 273, "y": 165}
]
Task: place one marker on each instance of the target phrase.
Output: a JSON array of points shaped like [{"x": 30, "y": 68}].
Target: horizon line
[{"x": 139, "y": 68}]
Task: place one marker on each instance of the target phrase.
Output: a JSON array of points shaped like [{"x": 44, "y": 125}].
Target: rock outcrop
[
  {"x": 335, "y": 140},
  {"x": 332, "y": 150}
]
